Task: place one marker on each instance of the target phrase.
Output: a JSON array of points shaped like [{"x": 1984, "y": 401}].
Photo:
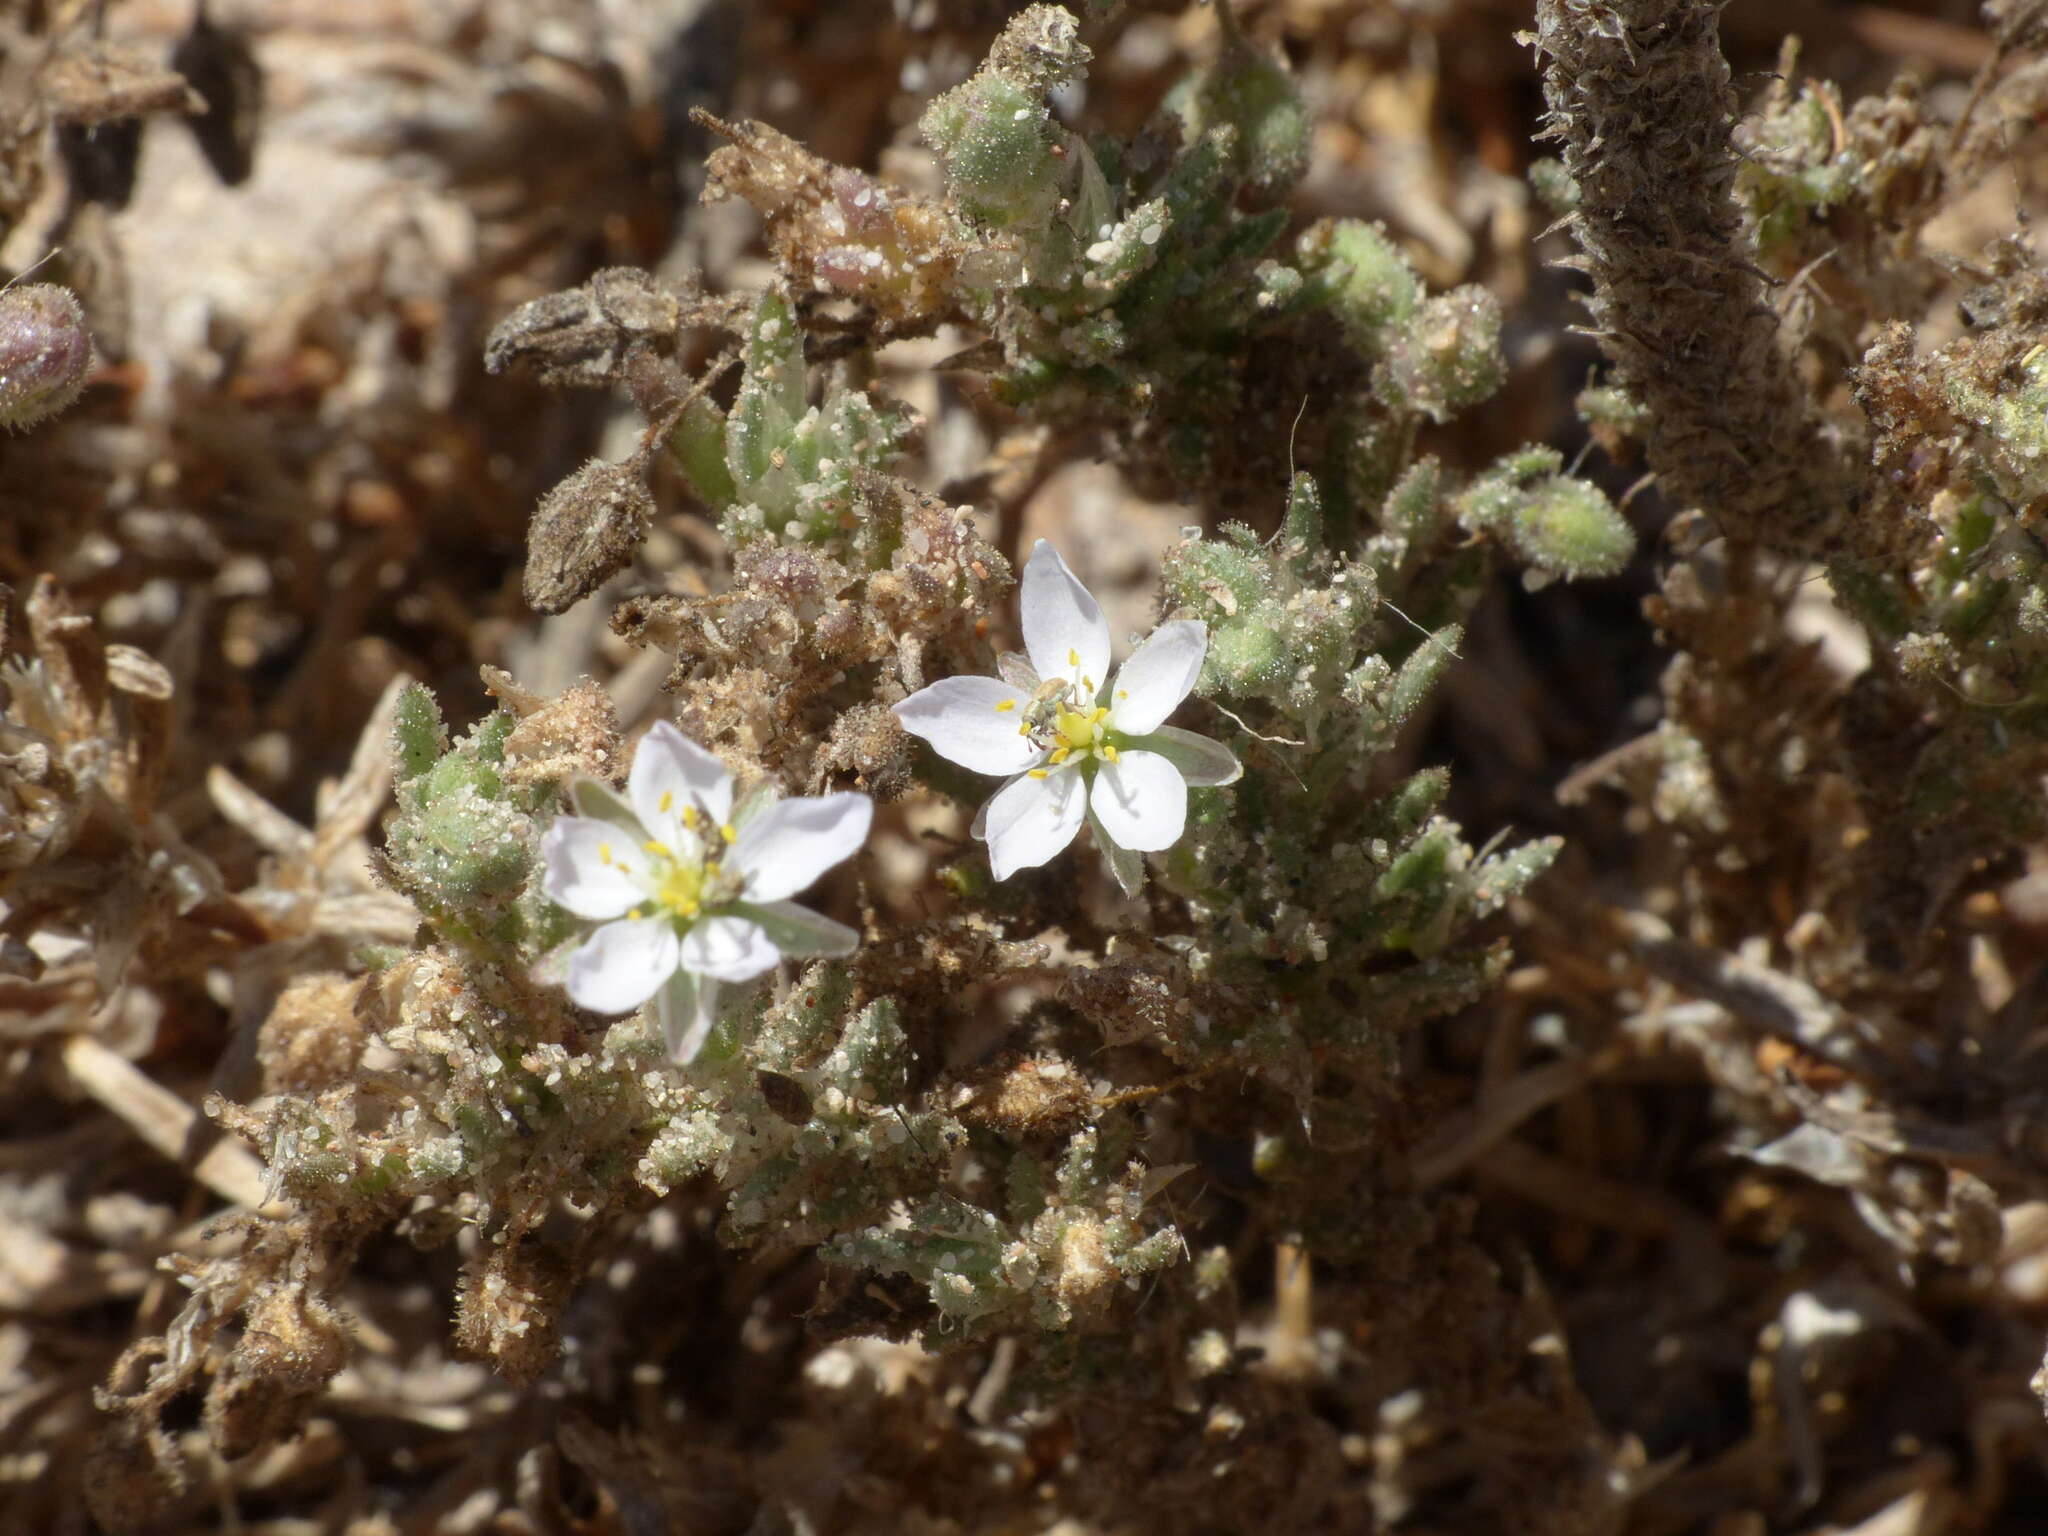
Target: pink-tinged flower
[
  {"x": 1076, "y": 743},
  {"x": 691, "y": 896}
]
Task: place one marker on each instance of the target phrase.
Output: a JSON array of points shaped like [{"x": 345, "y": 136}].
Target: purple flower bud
[{"x": 45, "y": 352}]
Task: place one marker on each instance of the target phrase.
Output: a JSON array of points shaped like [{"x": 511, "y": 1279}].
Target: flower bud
[
  {"x": 1362, "y": 277},
  {"x": 1447, "y": 356},
  {"x": 1215, "y": 580},
  {"x": 462, "y": 843},
  {"x": 1562, "y": 526},
  {"x": 1569, "y": 526},
  {"x": 1248, "y": 657},
  {"x": 998, "y": 146},
  {"x": 45, "y": 352},
  {"x": 1006, "y": 162},
  {"x": 1257, "y": 97}
]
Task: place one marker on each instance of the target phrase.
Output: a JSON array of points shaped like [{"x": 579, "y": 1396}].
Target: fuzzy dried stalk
[{"x": 1640, "y": 100}]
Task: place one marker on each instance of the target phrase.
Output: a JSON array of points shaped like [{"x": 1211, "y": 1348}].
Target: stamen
[
  {"x": 1101, "y": 712},
  {"x": 729, "y": 832},
  {"x": 1073, "y": 657},
  {"x": 1006, "y": 706},
  {"x": 1088, "y": 682},
  {"x": 1123, "y": 693},
  {"x": 654, "y": 847},
  {"x": 1060, "y": 755},
  {"x": 1024, "y": 729},
  {"x": 690, "y": 817},
  {"x": 604, "y": 854},
  {"x": 1036, "y": 773},
  {"x": 668, "y": 799},
  {"x": 1108, "y": 751}
]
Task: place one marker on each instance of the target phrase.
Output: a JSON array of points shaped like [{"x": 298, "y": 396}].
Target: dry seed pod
[
  {"x": 45, "y": 352},
  {"x": 581, "y": 337},
  {"x": 584, "y": 532}
]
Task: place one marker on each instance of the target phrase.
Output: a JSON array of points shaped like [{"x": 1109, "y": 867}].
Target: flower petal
[
  {"x": 687, "y": 1009},
  {"x": 600, "y": 802},
  {"x": 670, "y": 773},
  {"x": 1126, "y": 866},
  {"x": 973, "y": 721},
  {"x": 1160, "y": 673},
  {"x": 761, "y": 794},
  {"x": 1029, "y": 820},
  {"x": 798, "y": 931},
  {"x": 1063, "y": 626},
  {"x": 1141, "y": 801},
  {"x": 1201, "y": 762},
  {"x": 728, "y": 948},
  {"x": 593, "y": 869},
  {"x": 790, "y": 844},
  {"x": 623, "y": 964}
]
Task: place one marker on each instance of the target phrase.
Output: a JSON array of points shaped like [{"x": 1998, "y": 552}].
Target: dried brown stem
[{"x": 1640, "y": 101}]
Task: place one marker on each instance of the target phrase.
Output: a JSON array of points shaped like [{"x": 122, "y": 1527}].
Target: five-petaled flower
[
  {"x": 691, "y": 896},
  {"x": 1078, "y": 743}
]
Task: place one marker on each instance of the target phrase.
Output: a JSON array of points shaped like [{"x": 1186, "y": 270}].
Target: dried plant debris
[
  {"x": 840, "y": 231},
  {"x": 998, "y": 831}
]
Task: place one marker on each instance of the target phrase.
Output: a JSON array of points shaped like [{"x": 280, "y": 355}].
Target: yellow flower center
[
  {"x": 684, "y": 884},
  {"x": 678, "y": 887},
  {"x": 1077, "y": 732}
]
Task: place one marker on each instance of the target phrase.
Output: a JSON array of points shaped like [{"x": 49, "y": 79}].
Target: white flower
[
  {"x": 1077, "y": 743},
  {"x": 689, "y": 895}
]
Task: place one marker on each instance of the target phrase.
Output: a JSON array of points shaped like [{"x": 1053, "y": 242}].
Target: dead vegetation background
[{"x": 1738, "y": 1180}]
